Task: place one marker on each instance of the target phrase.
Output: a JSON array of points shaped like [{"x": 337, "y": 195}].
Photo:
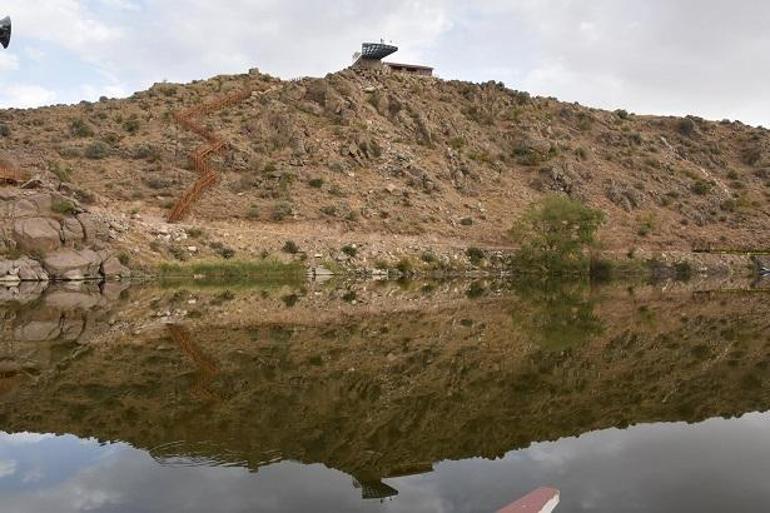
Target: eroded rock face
[
  {"x": 71, "y": 265},
  {"x": 37, "y": 234}
]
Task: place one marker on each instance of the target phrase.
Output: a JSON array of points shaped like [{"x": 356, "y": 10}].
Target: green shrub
[
  {"x": 475, "y": 255},
  {"x": 349, "y": 250},
  {"x": 280, "y": 211},
  {"x": 701, "y": 187},
  {"x": 62, "y": 172},
  {"x": 79, "y": 128},
  {"x": 131, "y": 125},
  {"x": 316, "y": 183},
  {"x": 601, "y": 270},
  {"x": 404, "y": 266},
  {"x": 290, "y": 247},
  {"x": 146, "y": 152},
  {"x": 428, "y": 257},
  {"x": 554, "y": 234},
  {"x": 622, "y": 114},
  {"x": 5, "y": 130},
  {"x": 456, "y": 143},
  {"x": 195, "y": 232},
  {"x": 97, "y": 150},
  {"x": 178, "y": 252},
  {"x": 329, "y": 210},
  {"x": 222, "y": 250},
  {"x": 686, "y": 126},
  {"x": 683, "y": 271},
  {"x": 466, "y": 221},
  {"x": 646, "y": 225},
  {"x": 64, "y": 207}
]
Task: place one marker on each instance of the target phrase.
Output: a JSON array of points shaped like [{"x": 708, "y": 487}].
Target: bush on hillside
[{"x": 554, "y": 234}]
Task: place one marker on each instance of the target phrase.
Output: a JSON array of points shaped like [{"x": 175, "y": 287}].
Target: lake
[{"x": 450, "y": 396}]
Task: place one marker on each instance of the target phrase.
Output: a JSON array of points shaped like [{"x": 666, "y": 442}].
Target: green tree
[{"x": 554, "y": 234}]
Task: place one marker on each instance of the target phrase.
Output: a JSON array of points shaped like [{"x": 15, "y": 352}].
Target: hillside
[{"x": 394, "y": 164}]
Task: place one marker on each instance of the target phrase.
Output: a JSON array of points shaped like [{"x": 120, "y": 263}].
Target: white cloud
[
  {"x": 690, "y": 56},
  {"x": 7, "y": 468},
  {"x": 24, "y": 96},
  {"x": 8, "y": 62}
]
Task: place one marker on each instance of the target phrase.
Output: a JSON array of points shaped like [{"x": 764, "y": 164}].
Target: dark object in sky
[
  {"x": 5, "y": 31},
  {"x": 377, "y": 50}
]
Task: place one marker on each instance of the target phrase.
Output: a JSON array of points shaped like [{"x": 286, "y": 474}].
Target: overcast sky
[{"x": 705, "y": 57}]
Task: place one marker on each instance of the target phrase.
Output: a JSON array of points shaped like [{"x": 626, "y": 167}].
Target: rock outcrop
[{"x": 57, "y": 238}]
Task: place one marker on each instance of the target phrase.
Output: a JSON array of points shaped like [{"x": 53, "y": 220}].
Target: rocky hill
[{"x": 393, "y": 165}]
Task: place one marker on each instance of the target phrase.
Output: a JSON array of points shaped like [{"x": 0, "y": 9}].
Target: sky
[{"x": 702, "y": 57}]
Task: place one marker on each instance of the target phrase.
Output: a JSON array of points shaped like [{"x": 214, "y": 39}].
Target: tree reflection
[{"x": 556, "y": 314}]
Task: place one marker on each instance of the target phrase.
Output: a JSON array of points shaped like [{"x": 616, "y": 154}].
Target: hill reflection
[{"x": 387, "y": 386}]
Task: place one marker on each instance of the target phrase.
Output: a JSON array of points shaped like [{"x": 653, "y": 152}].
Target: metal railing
[
  {"x": 10, "y": 175},
  {"x": 207, "y": 176}
]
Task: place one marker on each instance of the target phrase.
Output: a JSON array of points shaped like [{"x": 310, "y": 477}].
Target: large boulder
[
  {"x": 37, "y": 234},
  {"x": 93, "y": 227},
  {"x": 72, "y": 232},
  {"x": 33, "y": 206},
  {"x": 112, "y": 268},
  {"x": 68, "y": 264},
  {"x": 23, "y": 269}
]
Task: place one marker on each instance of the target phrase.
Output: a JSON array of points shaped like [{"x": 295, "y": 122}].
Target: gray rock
[
  {"x": 22, "y": 293},
  {"x": 112, "y": 268},
  {"x": 38, "y": 331},
  {"x": 93, "y": 227},
  {"x": 38, "y": 234},
  {"x": 72, "y": 232},
  {"x": 66, "y": 300},
  {"x": 68, "y": 264}
]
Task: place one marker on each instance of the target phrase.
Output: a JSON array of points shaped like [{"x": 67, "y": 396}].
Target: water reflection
[{"x": 393, "y": 397}]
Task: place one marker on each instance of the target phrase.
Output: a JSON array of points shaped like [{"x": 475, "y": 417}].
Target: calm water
[{"x": 412, "y": 397}]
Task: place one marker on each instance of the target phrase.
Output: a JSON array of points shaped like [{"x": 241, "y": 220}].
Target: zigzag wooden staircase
[
  {"x": 10, "y": 175},
  {"x": 207, "y": 176}
]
